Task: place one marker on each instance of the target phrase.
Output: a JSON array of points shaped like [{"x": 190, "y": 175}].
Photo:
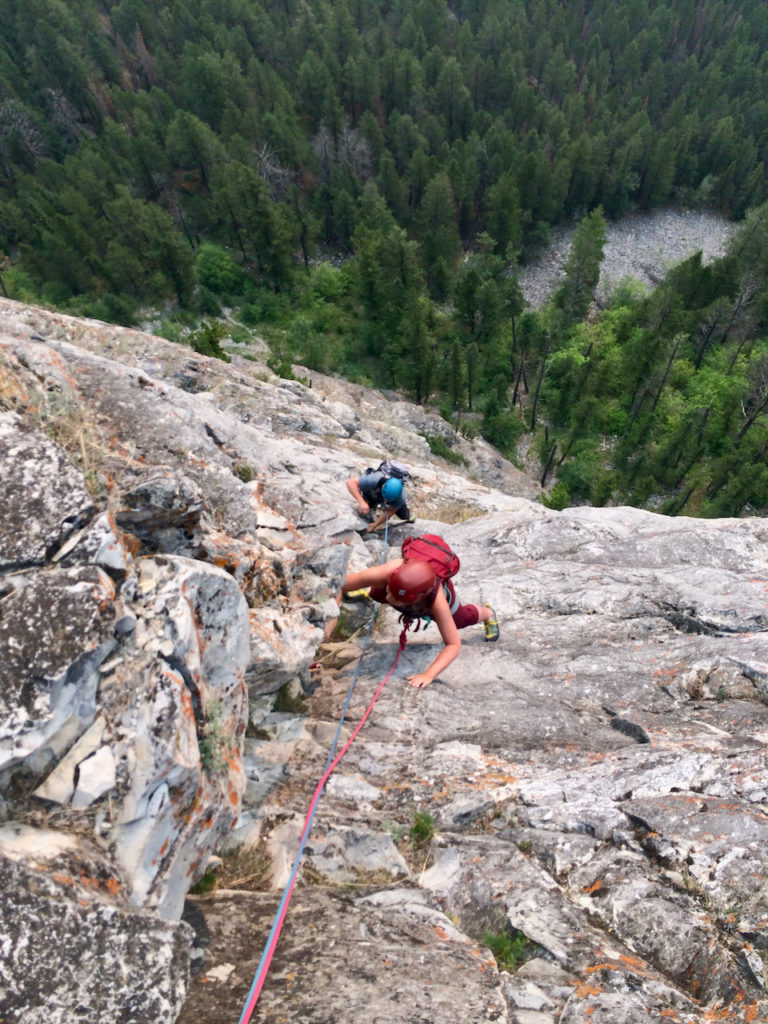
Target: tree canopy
[{"x": 192, "y": 157}]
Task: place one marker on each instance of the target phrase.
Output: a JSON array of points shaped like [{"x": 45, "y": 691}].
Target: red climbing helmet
[{"x": 411, "y": 582}]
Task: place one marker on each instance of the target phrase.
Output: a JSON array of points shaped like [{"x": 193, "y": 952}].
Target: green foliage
[
  {"x": 205, "y": 303},
  {"x": 171, "y": 330},
  {"x": 19, "y": 285},
  {"x": 218, "y": 271},
  {"x": 114, "y": 309},
  {"x": 287, "y": 701},
  {"x": 328, "y": 284},
  {"x": 264, "y": 307},
  {"x": 558, "y": 498},
  {"x": 239, "y": 335},
  {"x": 149, "y": 160},
  {"x": 281, "y": 366},
  {"x": 508, "y": 949},
  {"x": 584, "y": 476},
  {"x": 439, "y": 446},
  {"x": 423, "y": 828},
  {"x": 394, "y": 829},
  {"x": 582, "y": 268},
  {"x": 244, "y": 472},
  {"x": 257, "y": 127},
  {"x": 344, "y": 628},
  {"x": 206, "y": 884},
  {"x": 502, "y": 427},
  {"x": 280, "y": 359},
  {"x": 207, "y": 340},
  {"x": 213, "y": 741}
]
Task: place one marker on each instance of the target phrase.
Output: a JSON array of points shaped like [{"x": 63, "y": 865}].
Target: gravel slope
[{"x": 642, "y": 246}]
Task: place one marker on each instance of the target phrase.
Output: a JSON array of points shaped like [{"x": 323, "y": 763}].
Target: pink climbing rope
[{"x": 261, "y": 975}]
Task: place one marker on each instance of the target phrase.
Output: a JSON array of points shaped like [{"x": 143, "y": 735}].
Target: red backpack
[{"x": 434, "y": 550}]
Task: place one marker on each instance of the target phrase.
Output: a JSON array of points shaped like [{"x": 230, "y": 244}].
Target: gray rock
[
  {"x": 104, "y": 962},
  {"x": 44, "y": 496},
  {"x": 452, "y": 979},
  {"x": 55, "y": 631},
  {"x": 634, "y": 870}
]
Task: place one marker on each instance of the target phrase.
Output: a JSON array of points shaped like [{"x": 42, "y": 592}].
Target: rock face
[{"x": 172, "y": 538}]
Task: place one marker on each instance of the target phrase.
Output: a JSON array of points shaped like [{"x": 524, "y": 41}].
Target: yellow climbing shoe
[{"x": 491, "y": 627}]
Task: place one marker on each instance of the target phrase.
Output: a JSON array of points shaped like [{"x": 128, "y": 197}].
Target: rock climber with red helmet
[{"x": 415, "y": 591}]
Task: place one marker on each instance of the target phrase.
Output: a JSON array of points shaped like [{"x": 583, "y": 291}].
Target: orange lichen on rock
[
  {"x": 594, "y": 887},
  {"x": 583, "y": 989},
  {"x": 63, "y": 879}
]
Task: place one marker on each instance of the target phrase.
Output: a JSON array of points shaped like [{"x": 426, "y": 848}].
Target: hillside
[
  {"x": 593, "y": 786},
  {"x": 366, "y": 188}
]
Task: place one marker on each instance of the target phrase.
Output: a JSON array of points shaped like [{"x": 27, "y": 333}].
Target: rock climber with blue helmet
[{"x": 375, "y": 489}]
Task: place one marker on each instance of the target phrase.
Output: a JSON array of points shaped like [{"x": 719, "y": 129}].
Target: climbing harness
[{"x": 277, "y": 924}]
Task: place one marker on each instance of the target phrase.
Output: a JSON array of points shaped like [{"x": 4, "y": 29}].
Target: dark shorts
[{"x": 466, "y": 615}]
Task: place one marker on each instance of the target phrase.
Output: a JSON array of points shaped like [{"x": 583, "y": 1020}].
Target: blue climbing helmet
[{"x": 392, "y": 491}]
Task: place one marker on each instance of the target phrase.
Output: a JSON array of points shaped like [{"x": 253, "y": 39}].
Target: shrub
[
  {"x": 507, "y": 949},
  {"x": 281, "y": 366},
  {"x": 171, "y": 330},
  {"x": 206, "y": 884},
  {"x": 501, "y": 426},
  {"x": 218, "y": 271},
  {"x": 113, "y": 309},
  {"x": 244, "y": 472},
  {"x": 327, "y": 282},
  {"x": 394, "y": 829},
  {"x": 286, "y": 701},
  {"x": 205, "y": 303},
  {"x": 582, "y": 469},
  {"x": 422, "y": 829},
  {"x": 240, "y": 335},
  {"x": 558, "y": 498},
  {"x": 207, "y": 340},
  {"x": 263, "y": 307},
  {"x": 439, "y": 446}
]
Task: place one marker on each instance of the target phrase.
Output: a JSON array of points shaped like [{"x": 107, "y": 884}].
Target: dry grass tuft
[
  {"x": 451, "y": 511},
  {"x": 249, "y": 868},
  {"x": 58, "y": 414}
]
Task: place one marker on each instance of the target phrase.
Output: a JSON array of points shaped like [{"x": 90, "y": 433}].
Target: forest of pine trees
[{"x": 359, "y": 182}]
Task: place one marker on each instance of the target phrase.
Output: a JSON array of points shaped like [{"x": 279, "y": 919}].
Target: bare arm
[
  {"x": 354, "y": 489},
  {"x": 369, "y": 577},
  {"x": 441, "y": 613},
  {"x": 381, "y": 518},
  {"x": 356, "y": 581}
]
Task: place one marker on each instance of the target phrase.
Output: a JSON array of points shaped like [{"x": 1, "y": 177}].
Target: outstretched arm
[
  {"x": 441, "y": 613},
  {"x": 369, "y": 577},
  {"x": 357, "y": 580}
]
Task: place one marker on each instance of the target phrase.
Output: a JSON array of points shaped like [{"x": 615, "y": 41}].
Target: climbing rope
[
  {"x": 360, "y": 659},
  {"x": 277, "y": 924}
]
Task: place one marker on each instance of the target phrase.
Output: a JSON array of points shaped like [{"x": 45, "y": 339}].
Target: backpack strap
[{"x": 451, "y": 597}]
